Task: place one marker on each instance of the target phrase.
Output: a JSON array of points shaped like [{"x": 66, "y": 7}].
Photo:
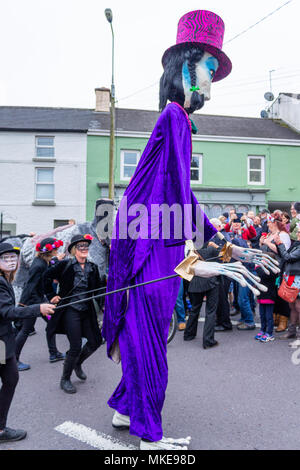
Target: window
[
  {"x": 256, "y": 170},
  {"x": 60, "y": 222},
  {"x": 129, "y": 161},
  {"x": 44, "y": 184},
  {"x": 8, "y": 230},
  {"x": 196, "y": 168},
  {"x": 44, "y": 147}
]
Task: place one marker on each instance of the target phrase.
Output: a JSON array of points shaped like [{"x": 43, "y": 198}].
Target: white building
[
  {"x": 287, "y": 108},
  {"x": 42, "y": 167}
]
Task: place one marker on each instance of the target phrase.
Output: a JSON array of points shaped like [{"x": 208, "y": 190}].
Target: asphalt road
[{"x": 240, "y": 395}]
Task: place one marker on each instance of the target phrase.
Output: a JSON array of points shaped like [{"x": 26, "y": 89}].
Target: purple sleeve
[{"x": 201, "y": 225}]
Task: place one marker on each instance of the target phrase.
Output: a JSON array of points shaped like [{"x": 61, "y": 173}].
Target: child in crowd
[{"x": 266, "y": 301}]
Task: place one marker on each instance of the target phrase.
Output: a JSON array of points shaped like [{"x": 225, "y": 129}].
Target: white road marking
[{"x": 91, "y": 437}]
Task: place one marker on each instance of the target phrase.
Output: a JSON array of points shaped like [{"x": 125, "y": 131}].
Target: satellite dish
[
  {"x": 264, "y": 114},
  {"x": 269, "y": 96}
]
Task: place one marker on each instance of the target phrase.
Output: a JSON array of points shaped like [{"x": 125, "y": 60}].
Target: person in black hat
[
  {"x": 33, "y": 293},
  {"x": 8, "y": 312},
  {"x": 76, "y": 276}
]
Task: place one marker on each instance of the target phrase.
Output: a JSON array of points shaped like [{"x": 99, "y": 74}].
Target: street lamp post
[
  {"x": 111, "y": 186},
  {"x": 270, "y": 75}
]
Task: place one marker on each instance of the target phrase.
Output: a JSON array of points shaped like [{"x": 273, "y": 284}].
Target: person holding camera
[{"x": 240, "y": 227}]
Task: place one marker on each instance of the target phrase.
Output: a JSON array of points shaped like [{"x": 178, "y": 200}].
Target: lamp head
[{"x": 109, "y": 15}]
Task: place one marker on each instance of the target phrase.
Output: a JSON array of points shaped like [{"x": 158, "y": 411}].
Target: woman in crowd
[
  {"x": 286, "y": 220},
  {"x": 9, "y": 312},
  {"x": 291, "y": 274},
  {"x": 258, "y": 228},
  {"x": 34, "y": 293},
  {"x": 76, "y": 276},
  {"x": 267, "y": 243},
  {"x": 223, "y": 221},
  {"x": 295, "y": 213}
]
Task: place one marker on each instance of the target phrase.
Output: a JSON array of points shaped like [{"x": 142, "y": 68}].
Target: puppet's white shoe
[
  {"x": 165, "y": 444},
  {"x": 183, "y": 441},
  {"x": 120, "y": 421}
]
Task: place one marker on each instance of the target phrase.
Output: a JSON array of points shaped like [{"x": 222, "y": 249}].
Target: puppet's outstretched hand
[
  {"x": 235, "y": 271},
  {"x": 249, "y": 255}
]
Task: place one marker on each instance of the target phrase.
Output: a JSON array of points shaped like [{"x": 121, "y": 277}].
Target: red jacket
[{"x": 247, "y": 233}]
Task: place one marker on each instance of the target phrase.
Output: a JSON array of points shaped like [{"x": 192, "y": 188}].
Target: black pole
[
  {"x": 118, "y": 290},
  {"x": 1, "y": 226},
  {"x": 82, "y": 293}
]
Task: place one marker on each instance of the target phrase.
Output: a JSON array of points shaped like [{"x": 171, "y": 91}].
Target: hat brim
[
  {"x": 78, "y": 241},
  {"x": 225, "y": 65},
  {"x": 14, "y": 250}
]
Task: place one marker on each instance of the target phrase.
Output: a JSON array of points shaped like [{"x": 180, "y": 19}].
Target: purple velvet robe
[{"x": 136, "y": 322}]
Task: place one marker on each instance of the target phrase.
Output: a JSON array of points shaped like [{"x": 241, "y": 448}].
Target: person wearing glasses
[
  {"x": 9, "y": 374},
  {"x": 75, "y": 276}
]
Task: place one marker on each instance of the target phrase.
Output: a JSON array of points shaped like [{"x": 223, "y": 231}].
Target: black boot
[
  {"x": 65, "y": 382},
  {"x": 84, "y": 354}
]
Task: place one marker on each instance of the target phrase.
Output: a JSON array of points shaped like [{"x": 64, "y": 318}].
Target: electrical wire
[{"x": 258, "y": 22}]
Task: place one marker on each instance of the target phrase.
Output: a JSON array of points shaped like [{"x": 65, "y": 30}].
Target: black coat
[
  {"x": 255, "y": 241},
  {"x": 9, "y": 312},
  {"x": 64, "y": 273},
  {"x": 290, "y": 258},
  {"x": 267, "y": 280},
  {"x": 201, "y": 284},
  {"x": 264, "y": 226},
  {"x": 34, "y": 291}
]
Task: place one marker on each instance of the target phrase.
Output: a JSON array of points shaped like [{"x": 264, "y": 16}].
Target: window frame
[
  {"x": 262, "y": 158},
  {"x": 44, "y": 146},
  {"x": 122, "y": 163},
  {"x": 200, "y": 169},
  {"x": 36, "y": 183}
]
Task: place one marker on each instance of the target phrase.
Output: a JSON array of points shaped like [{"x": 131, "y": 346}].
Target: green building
[{"x": 241, "y": 163}]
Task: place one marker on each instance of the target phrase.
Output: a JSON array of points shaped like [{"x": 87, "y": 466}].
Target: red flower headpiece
[
  {"x": 87, "y": 236},
  {"x": 58, "y": 243},
  {"x": 49, "y": 247}
]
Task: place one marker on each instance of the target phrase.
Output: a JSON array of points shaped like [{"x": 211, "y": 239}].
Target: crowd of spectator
[{"x": 277, "y": 234}]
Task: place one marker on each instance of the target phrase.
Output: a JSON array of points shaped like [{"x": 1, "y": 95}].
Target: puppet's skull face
[{"x": 199, "y": 91}]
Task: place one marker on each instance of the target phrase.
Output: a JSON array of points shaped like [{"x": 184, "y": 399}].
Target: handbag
[{"x": 287, "y": 292}]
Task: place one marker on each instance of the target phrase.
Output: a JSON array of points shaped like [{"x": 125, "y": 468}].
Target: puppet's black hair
[{"x": 171, "y": 87}]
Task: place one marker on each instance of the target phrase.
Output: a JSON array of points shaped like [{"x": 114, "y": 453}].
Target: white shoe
[
  {"x": 165, "y": 444},
  {"x": 295, "y": 344},
  {"x": 120, "y": 421}
]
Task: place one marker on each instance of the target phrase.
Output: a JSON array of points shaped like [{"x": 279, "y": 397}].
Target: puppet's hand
[
  {"x": 235, "y": 271},
  {"x": 248, "y": 255}
]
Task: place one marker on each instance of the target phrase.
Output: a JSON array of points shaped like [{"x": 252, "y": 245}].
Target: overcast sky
[{"x": 54, "y": 53}]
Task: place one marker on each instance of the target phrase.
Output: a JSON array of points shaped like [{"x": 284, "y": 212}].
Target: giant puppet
[{"x": 136, "y": 322}]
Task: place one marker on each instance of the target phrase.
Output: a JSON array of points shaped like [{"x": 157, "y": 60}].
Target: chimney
[{"x": 102, "y": 99}]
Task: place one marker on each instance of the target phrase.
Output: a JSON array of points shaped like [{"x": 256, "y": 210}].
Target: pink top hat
[{"x": 204, "y": 29}]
